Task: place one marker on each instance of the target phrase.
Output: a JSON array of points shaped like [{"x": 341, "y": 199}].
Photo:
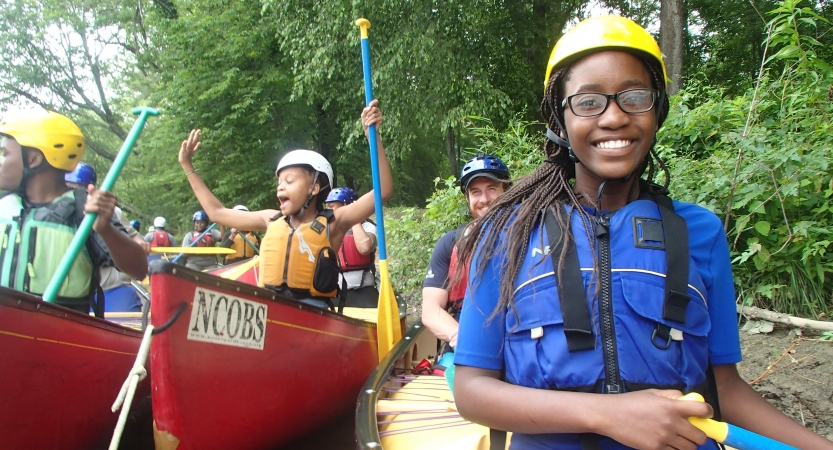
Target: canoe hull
[
  {"x": 244, "y": 368},
  {"x": 60, "y": 372}
]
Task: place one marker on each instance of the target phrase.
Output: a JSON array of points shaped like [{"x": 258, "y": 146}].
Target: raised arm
[
  {"x": 364, "y": 207},
  {"x": 242, "y": 220}
]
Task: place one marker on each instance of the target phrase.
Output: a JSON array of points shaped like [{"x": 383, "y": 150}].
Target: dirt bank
[{"x": 801, "y": 384}]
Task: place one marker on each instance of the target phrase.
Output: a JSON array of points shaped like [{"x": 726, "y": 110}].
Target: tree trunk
[
  {"x": 450, "y": 150},
  {"x": 672, "y": 40}
]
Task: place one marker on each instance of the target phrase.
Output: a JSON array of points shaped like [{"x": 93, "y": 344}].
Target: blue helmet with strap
[
  {"x": 342, "y": 194},
  {"x": 488, "y": 166},
  {"x": 200, "y": 215},
  {"x": 82, "y": 174},
  {"x": 135, "y": 224}
]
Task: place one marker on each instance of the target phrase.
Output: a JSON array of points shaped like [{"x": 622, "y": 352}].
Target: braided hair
[{"x": 548, "y": 186}]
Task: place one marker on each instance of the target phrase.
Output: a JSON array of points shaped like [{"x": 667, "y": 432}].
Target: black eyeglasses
[{"x": 631, "y": 101}]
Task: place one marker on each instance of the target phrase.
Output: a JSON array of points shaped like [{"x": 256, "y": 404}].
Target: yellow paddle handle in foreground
[{"x": 731, "y": 435}]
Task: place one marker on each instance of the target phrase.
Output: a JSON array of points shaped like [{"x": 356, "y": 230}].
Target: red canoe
[
  {"x": 244, "y": 368},
  {"x": 60, "y": 372}
]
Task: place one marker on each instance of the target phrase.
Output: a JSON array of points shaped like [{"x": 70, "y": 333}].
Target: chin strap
[
  {"x": 310, "y": 196},
  {"x": 563, "y": 143},
  {"x": 27, "y": 171}
]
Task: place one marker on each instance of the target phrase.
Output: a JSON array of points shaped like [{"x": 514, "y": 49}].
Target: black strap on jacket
[
  {"x": 676, "y": 277},
  {"x": 571, "y": 293}
]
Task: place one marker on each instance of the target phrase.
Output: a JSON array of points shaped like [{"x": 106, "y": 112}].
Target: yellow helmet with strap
[
  {"x": 55, "y": 135},
  {"x": 601, "y": 33}
]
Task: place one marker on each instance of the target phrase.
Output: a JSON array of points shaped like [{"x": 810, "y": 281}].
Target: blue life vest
[{"x": 638, "y": 332}]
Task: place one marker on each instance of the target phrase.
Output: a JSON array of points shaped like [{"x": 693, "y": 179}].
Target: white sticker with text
[{"x": 224, "y": 319}]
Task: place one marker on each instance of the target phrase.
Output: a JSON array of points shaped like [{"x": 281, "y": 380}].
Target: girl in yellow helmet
[
  {"x": 587, "y": 279},
  {"x": 296, "y": 256}
]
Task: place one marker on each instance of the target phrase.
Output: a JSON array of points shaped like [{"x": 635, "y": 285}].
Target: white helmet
[
  {"x": 240, "y": 208},
  {"x": 159, "y": 222},
  {"x": 307, "y": 158}
]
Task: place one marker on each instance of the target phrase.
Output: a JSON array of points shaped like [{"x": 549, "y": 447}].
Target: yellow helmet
[
  {"x": 56, "y": 136},
  {"x": 603, "y": 32}
]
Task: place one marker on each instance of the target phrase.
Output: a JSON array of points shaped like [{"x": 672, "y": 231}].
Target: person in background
[
  {"x": 233, "y": 239},
  {"x": 158, "y": 236},
  {"x": 483, "y": 179},
  {"x": 199, "y": 238},
  {"x": 356, "y": 256}
]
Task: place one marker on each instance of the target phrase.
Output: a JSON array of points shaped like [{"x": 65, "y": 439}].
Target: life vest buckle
[{"x": 664, "y": 332}]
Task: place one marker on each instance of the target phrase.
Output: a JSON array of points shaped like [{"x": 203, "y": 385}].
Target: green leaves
[
  {"x": 762, "y": 227},
  {"x": 776, "y": 209}
]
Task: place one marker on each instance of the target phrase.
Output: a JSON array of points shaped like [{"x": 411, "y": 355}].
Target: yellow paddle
[
  {"x": 388, "y": 330},
  {"x": 194, "y": 250}
]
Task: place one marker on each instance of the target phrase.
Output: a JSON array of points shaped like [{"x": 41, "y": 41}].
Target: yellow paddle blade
[
  {"x": 194, "y": 250},
  {"x": 388, "y": 328}
]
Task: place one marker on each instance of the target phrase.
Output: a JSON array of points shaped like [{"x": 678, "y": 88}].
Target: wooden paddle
[
  {"x": 731, "y": 435},
  {"x": 51, "y": 292},
  {"x": 388, "y": 330}
]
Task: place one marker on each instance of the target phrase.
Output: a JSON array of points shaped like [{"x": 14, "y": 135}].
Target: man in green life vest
[{"x": 39, "y": 214}]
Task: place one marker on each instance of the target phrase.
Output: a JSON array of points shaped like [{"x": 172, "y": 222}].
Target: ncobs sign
[{"x": 224, "y": 319}]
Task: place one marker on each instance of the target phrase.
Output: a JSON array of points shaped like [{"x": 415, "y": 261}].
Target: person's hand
[
  {"x": 188, "y": 148},
  {"x": 233, "y": 232},
  {"x": 453, "y": 341},
  {"x": 371, "y": 115},
  {"x": 655, "y": 419},
  {"x": 102, "y": 203},
  {"x": 142, "y": 243}
]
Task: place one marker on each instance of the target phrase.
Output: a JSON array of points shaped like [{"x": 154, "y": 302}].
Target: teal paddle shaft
[
  {"x": 254, "y": 247},
  {"x": 207, "y": 230},
  {"x": 51, "y": 292}
]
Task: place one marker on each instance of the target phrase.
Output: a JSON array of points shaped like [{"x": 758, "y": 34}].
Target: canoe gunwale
[
  {"x": 208, "y": 280},
  {"x": 367, "y": 430},
  {"x": 28, "y": 302}
]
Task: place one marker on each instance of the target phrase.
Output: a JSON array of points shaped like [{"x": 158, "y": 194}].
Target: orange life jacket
[
  {"x": 241, "y": 248},
  {"x": 300, "y": 258}
]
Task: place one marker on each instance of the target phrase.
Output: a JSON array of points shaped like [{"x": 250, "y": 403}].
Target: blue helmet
[
  {"x": 83, "y": 174},
  {"x": 200, "y": 215},
  {"x": 342, "y": 194},
  {"x": 135, "y": 224},
  {"x": 483, "y": 166}
]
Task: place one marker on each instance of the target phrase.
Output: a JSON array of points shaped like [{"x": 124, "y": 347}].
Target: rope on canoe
[{"x": 128, "y": 389}]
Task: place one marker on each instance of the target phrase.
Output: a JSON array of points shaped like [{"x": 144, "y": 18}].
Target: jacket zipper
[
  {"x": 612, "y": 383},
  {"x": 33, "y": 235},
  {"x": 286, "y": 261}
]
